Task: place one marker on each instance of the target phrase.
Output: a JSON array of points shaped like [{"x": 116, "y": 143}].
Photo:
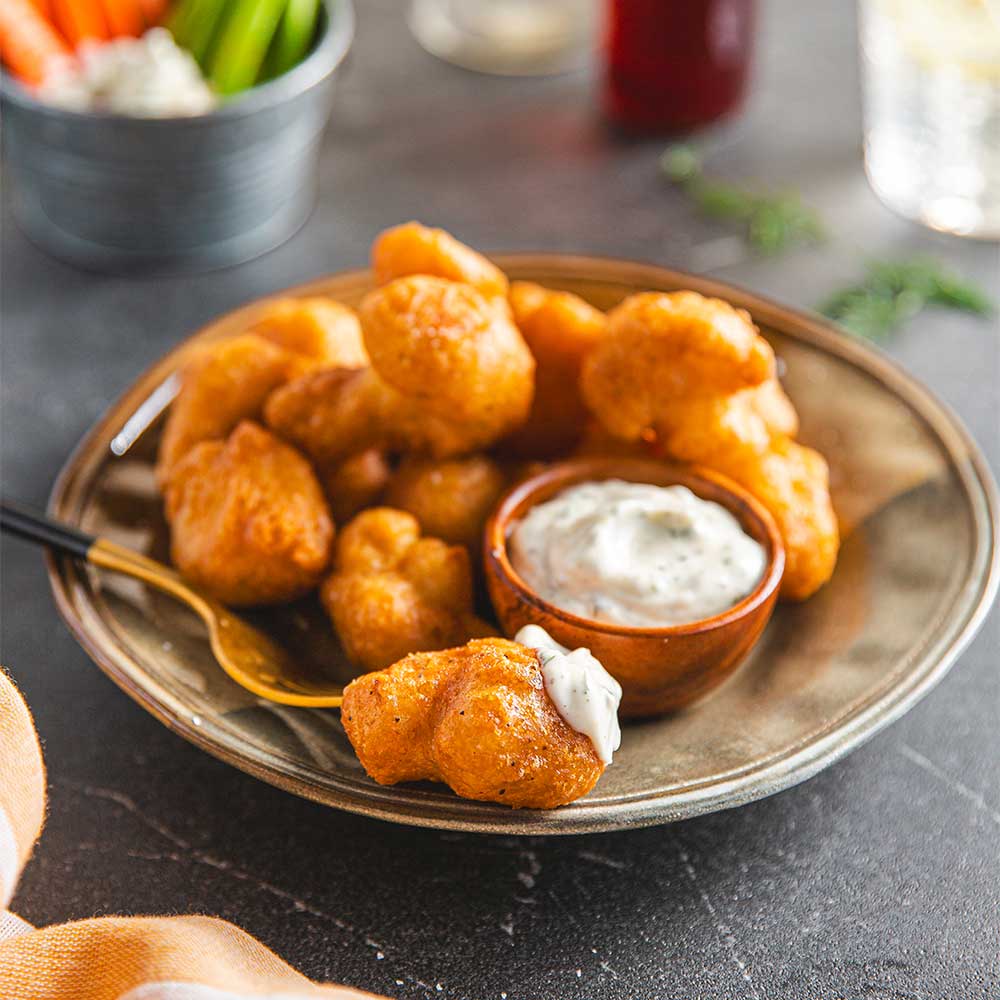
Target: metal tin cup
[{"x": 160, "y": 195}]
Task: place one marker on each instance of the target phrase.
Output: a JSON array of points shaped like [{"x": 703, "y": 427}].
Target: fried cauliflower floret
[
  {"x": 773, "y": 406},
  {"x": 694, "y": 376},
  {"x": 560, "y": 329},
  {"x": 248, "y": 521},
  {"x": 392, "y": 592},
  {"x": 228, "y": 381},
  {"x": 663, "y": 349},
  {"x": 451, "y": 498},
  {"x": 477, "y": 718},
  {"x": 332, "y": 415},
  {"x": 415, "y": 249},
  {"x": 793, "y": 483},
  {"x": 450, "y": 375},
  {"x": 317, "y": 329},
  {"x": 221, "y": 385},
  {"x": 447, "y": 353},
  {"x": 355, "y": 483},
  {"x": 597, "y": 440}
]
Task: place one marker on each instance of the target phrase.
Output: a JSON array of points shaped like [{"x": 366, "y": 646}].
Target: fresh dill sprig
[
  {"x": 894, "y": 291},
  {"x": 772, "y": 222}
]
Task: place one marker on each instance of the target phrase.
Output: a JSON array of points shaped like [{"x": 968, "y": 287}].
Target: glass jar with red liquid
[{"x": 672, "y": 65}]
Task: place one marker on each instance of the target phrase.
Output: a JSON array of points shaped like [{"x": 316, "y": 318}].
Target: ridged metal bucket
[{"x": 114, "y": 193}]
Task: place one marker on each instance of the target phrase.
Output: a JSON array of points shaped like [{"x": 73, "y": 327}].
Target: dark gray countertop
[{"x": 879, "y": 878}]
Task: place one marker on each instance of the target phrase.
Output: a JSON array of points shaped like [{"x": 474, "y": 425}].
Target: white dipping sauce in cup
[{"x": 635, "y": 554}]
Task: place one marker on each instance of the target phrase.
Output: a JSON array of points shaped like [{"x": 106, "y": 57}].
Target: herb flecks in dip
[{"x": 635, "y": 554}]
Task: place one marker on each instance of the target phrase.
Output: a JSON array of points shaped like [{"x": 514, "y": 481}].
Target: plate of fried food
[{"x": 587, "y": 544}]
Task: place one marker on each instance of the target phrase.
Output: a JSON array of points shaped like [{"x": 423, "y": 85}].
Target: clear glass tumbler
[
  {"x": 931, "y": 85},
  {"x": 510, "y": 37}
]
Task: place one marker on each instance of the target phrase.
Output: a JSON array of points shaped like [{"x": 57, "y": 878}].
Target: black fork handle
[{"x": 33, "y": 526}]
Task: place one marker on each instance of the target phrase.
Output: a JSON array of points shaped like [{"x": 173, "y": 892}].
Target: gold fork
[{"x": 244, "y": 652}]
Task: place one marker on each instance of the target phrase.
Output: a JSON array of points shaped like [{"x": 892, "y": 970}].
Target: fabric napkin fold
[{"x": 115, "y": 958}]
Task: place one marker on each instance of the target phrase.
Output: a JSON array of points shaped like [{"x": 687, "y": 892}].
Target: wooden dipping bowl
[{"x": 659, "y": 669}]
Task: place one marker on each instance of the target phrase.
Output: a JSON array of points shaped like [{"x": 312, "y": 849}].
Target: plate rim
[{"x": 973, "y": 597}]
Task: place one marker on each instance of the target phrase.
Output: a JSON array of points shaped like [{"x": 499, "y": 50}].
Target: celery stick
[
  {"x": 203, "y": 28},
  {"x": 237, "y": 59},
  {"x": 293, "y": 38},
  {"x": 180, "y": 20}
]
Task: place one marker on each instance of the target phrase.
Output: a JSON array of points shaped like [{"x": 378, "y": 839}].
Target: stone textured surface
[{"x": 880, "y": 878}]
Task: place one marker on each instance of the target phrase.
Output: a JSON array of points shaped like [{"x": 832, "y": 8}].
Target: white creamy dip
[
  {"x": 635, "y": 554},
  {"x": 148, "y": 77},
  {"x": 583, "y": 692}
]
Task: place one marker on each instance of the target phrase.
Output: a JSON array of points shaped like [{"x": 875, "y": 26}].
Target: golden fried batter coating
[
  {"x": 477, "y": 718},
  {"x": 662, "y": 349},
  {"x": 560, "y": 330},
  {"x": 694, "y": 375},
  {"x": 597, "y": 440},
  {"x": 415, "y": 249},
  {"x": 248, "y": 521},
  {"x": 775, "y": 408},
  {"x": 793, "y": 483},
  {"x": 451, "y": 499},
  {"x": 440, "y": 345},
  {"x": 355, "y": 483},
  {"x": 223, "y": 384},
  {"x": 229, "y": 381},
  {"x": 333, "y": 414},
  {"x": 318, "y": 329},
  {"x": 450, "y": 375},
  {"x": 392, "y": 592}
]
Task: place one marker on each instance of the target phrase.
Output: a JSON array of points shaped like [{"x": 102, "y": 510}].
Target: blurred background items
[
  {"x": 242, "y": 90},
  {"x": 674, "y": 66},
  {"x": 509, "y": 37},
  {"x": 931, "y": 83}
]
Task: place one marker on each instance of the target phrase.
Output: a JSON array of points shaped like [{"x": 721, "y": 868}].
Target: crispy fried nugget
[
  {"x": 662, "y": 349},
  {"x": 248, "y": 521},
  {"x": 450, "y": 375},
  {"x": 355, "y": 483},
  {"x": 332, "y": 415},
  {"x": 415, "y": 249},
  {"x": 450, "y": 498},
  {"x": 323, "y": 332},
  {"x": 793, "y": 483},
  {"x": 448, "y": 354},
  {"x": 775, "y": 408},
  {"x": 694, "y": 374},
  {"x": 560, "y": 330},
  {"x": 392, "y": 592},
  {"x": 477, "y": 718},
  {"x": 223, "y": 384},
  {"x": 229, "y": 381}
]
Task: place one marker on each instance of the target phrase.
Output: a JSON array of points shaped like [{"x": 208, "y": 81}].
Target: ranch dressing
[
  {"x": 635, "y": 554},
  {"x": 583, "y": 692}
]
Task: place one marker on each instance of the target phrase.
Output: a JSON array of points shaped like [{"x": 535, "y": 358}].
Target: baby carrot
[
  {"x": 42, "y": 6},
  {"x": 28, "y": 43},
  {"x": 153, "y": 11},
  {"x": 124, "y": 17},
  {"x": 80, "y": 20}
]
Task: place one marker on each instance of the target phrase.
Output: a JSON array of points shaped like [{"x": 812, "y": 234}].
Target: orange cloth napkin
[{"x": 115, "y": 958}]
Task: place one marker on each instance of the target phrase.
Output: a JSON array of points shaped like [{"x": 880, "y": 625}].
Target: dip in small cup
[{"x": 660, "y": 669}]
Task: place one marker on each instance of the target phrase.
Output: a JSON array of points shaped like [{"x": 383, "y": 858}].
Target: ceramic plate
[{"x": 917, "y": 571}]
